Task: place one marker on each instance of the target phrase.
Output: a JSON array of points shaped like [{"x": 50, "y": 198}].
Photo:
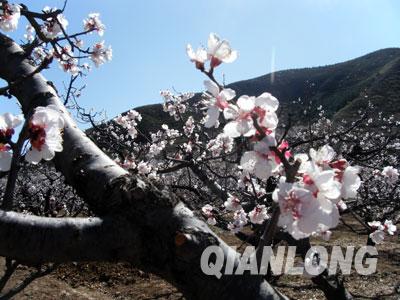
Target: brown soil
[{"x": 101, "y": 281}]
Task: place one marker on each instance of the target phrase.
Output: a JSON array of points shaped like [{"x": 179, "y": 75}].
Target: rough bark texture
[
  {"x": 36, "y": 239},
  {"x": 164, "y": 236}
]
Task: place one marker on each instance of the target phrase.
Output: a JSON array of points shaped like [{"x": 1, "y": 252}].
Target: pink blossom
[
  {"x": 9, "y": 16},
  {"x": 45, "y": 138},
  {"x": 241, "y": 116},
  {"x": 219, "y": 51},
  {"x": 302, "y": 214},
  {"x": 323, "y": 156},
  {"x": 93, "y": 22},
  {"x": 216, "y": 102},
  {"x": 390, "y": 227},
  {"x": 391, "y": 174},
  {"x": 239, "y": 221},
  {"x": 7, "y": 124},
  {"x": 53, "y": 26},
  {"x": 198, "y": 58},
  {"x": 258, "y": 215},
  {"x": 208, "y": 212},
  {"x": 258, "y": 161},
  {"x": 377, "y": 236},
  {"x": 232, "y": 203},
  {"x": 101, "y": 54}
]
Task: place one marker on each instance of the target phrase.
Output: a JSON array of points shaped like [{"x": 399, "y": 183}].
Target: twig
[
  {"x": 8, "y": 199},
  {"x": 28, "y": 280}
]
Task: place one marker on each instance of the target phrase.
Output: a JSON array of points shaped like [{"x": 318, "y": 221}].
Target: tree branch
[{"x": 161, "y": 232}]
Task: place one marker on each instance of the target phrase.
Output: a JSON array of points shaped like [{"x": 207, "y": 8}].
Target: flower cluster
[
  {"x": 7, "y": 124},
  {"x": 260, "y": 161},
  {"x": 189, "y": 126},
  {"x": 30, "y": 33},
  {"x": 53, "y": 26},
  {"x": 232, "y": 203},
  {"x": 221, "y": 144},
  {"x": 9, "y": 16},
  {"x": 128, "y": 163},
  {"x": 249, "y": 109},
  {"x": 240, "y": 218},
  {"x": 143, "y": 168},
  {"x": 67, "y": 61},
  {"x": 311, "y": 187},
  {"x": 44, "y": 134},
  {"x": 215, "y": 101},
  {"x": 52, "y": 39},
  {"x": 239, "y": 221},
  {"x": 129, "y": 122},
  {"x": 379, "y": 229},
  {"x": 170, "y": 133},
  {"x": 100, "y": 54},
  {"x": 45, "y": 128},
  {"x": 258, "y": 215},
  {"x": 210, "y": 213},
  {"x": 310, "y": 205},
  {"x": 391, "y": 174},
  {"x": 93, "y": 23},
  {"x": 175, "y": 105},
  {"x": 217, "y": 52}
]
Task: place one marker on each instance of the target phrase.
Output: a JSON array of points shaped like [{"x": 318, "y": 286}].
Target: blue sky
[{"x": 149, "y": 39}]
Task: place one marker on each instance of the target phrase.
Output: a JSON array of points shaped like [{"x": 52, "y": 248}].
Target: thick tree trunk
[
  {"x": 162, "y": 234},
  {"x": 35, "y": 240}
]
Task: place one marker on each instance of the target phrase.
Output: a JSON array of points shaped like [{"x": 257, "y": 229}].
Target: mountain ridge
[{"x": 341, "y": 88}]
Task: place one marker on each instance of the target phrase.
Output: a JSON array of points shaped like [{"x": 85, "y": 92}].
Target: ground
[{"x": 121, "y": 281}]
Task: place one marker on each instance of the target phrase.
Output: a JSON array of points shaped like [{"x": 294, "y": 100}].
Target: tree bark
[
  {"x": 162, "y": 234},
  {"x": 36, "y": 240}
]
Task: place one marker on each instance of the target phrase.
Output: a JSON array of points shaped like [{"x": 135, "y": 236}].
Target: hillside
[{"x": 341, "y": 88}]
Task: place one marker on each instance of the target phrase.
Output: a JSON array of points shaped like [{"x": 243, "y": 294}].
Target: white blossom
[
  {"x": 258, "y": 161},
  {"x": 9, "y": 16},
  {"x": 30, "y": 33},
  {"x": 189, "y": 126},
  {"x": 208, "y": 212},
  {"x": 100, "y": 54},
  {"x": 199, "y": 57},
  {"x": 323, "y": 156},
  {"x": 266, "y": 106},
  {"x": 129, "y": 121},
  {"x": 222, "y": 143},
  {"x": 45, "y": 138},
  {"x": 53, "y": 26},
  {"x": 219, "y": 51},
  {"x": 93, "y": 22},
  {"x": 302, "y": 214},
  {"x": 377, "y": 236},
  {"x": 241, "y": 116},
  {"x": 174, "y": 104},
  {"x": 7, "y": 124},
  {"x": 391, "y": 174},
  {"x": 143, "y": 168},
  {"x": 351, "y": 182},
  {"x": 258, "y": 215},
  {"x": 216, "y": 101},
  {"x": 239, "y": 221},
  {"x": 390, "y": 227},
  {"x": 232, "y": 203}
]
